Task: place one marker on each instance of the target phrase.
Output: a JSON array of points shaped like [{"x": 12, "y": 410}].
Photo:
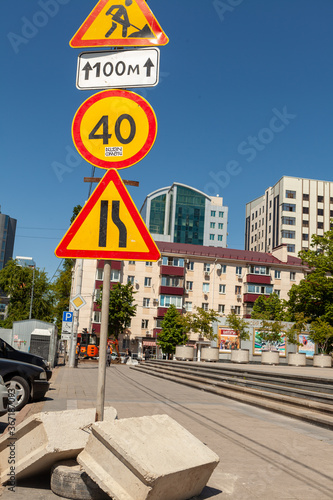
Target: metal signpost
[{"x": 113, "y": 129}]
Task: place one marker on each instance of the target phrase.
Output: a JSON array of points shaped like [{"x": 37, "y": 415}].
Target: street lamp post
[{"x": 32, "y": 291}]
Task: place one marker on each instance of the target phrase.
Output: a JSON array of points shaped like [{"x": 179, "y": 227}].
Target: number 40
[{"x": 105, "y": 136}]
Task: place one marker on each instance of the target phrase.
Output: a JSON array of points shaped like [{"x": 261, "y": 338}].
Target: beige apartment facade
[
  {"x": 187, "y": 276},
  {"x": 289, "y": 213}
]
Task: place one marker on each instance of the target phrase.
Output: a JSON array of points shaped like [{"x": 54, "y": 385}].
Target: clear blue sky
[{"x": 229, "y": 69}]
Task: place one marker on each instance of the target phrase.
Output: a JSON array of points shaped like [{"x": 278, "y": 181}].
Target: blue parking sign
[{"x": 67, "y": 317}]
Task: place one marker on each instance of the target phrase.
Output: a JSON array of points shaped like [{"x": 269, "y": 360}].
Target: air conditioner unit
[
  {"x": 239, "y": 296},
  {"x": 155, "y": 302},
  {"x": 240, "y": 278},
  {"x": 206, "y": 297},
  {"x": 219, "y": 267},
  {"x": 207, "y": 276}
]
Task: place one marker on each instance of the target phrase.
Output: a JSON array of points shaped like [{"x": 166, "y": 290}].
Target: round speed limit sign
[{"x": 114, "y": 129}]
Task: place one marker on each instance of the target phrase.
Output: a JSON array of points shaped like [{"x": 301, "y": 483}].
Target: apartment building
[
  {"x": 188, "y": 276},
  {"x": 289, "y": 213},
  {"x": 182, "y": 214}
]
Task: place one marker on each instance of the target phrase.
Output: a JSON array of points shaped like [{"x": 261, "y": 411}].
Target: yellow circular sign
[{"x": 114, "y": 129}]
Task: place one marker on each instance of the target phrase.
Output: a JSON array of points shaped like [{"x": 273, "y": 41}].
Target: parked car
[
  {"x": 9, "y": 352},
  {"x": 3, "y": 397},
  {"x": 28, "y": 381}
]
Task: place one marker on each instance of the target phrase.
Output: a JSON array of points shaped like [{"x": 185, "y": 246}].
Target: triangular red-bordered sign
[
  {"x": 109, "y": 226},
  {"x": 120, "y": 23}
]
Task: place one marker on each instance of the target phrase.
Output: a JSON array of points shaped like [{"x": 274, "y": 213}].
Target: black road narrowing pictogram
[{"x": 103, "y": 225}]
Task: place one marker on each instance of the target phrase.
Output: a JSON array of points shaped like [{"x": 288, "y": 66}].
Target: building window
[
  {"x": 146, "y": 302},
  {"x": 204, "y": 306},
  {"x": 222, "y": 289},
  {"x": 212, "y": 237},
  {"x": 148, "y": 282},
  {"x": 331, "y": 213},
  {"x": 259, "y": 270},
  {"x": 306, "y": 197},
  {"x": 288, "y": 234},
  {"x": 277, "y": 274},
  {"x": 130, "y": 279},
  {"x": 305, "y": 223},
  {"x": 320, "y": 225},
  {"x": 221, "y": 308},
  {"x": 237, "y": 310},
  {"x": 97, "y": 317},
  {"x": 290, "y": 221},
  {"x": 291, "y": 194},
  {"x": 320, "y": 211},
  {"x": 190, "y": 266},
  {"x": 259, "y": 289},
  {"x": 288, "y": 207},
  {"x": 99, "y": 274},
  {"x": 291, "y": 248},
  {"x": 220, "y": 226},
  {"x": 172, "y": 261},
  {"x": 320, "y": 199},
  {"x": 238, "y": 290},
  {"x": 292, "y": 276},
  {"x": 220, "y": 237},
  {"x": 238, "y": 270},
  {"x": 115, "y": 275},
  {"x": 305, "y": 210},
  {"x": 188, "y": 306},
  {"x": 171, "y": 281},
  {"x": 212, "y": 225},
  {"x": 131, "y": 262},
  {"x": 96, "y": 299},
  {"x": 212, "y": 213},
  {"x": 305, "y": 237},
  {"x": 149, "y": 264},
  {"x": 221, "y": 215},
  {"x": 168, "y": 300},
  {"x": 207, "y": 268},
  {"x": 189, "y": 285},
  {"x": 144, "y": 324},
  {"x": 205, "y": 287}
]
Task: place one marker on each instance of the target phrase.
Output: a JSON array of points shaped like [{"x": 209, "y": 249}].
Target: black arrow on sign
[
  {"x": 149, "y": 64},
  {"x": 87, "y": 68}
]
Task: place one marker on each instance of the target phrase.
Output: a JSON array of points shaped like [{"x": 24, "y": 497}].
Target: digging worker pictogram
[{"x": 119, "y": 17}]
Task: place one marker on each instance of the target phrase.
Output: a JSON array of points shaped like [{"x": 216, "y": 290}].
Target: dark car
[
  {"x": 25, "y": 382},
  {"x": 8, "y": 352}
]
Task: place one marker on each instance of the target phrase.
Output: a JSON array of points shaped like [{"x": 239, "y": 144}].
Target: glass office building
[
  {"x": 7, "y": 238},
  {"x": 182, "y": 214}
]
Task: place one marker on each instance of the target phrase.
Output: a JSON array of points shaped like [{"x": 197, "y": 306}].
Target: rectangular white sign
[{"x": 118, "y": 69}]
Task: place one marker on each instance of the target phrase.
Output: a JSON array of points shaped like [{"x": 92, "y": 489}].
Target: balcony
[
  {"x": 171, "y": 290},
  {"x": 258, "y": 279},
  {"x": 115, "y": 264},
  {"x": 172, "y": 271},
  {"x": 252, "y": 297},
  {"x": 161, "y": 311}
]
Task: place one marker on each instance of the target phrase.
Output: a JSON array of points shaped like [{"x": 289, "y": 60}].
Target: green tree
[
  {"x": 173, "y": 331},
  {"x": 299, "y": 327},
  {"x": 321, "y": 333},
  {"x": 121, "y": 309},
  {"x": 239, "y": 325},
  {"x": 201, "y": 322},
  {"x": 314, "y": 294},
  {"x": 269, "y": 308},
  {"x": 17, "y": 281}
]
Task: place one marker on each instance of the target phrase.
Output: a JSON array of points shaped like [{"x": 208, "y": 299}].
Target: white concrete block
[
  {"x": 151, "y": 458},
  {"x": 45, "y": 438}
]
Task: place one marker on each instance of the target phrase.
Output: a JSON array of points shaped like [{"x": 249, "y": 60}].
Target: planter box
[
  {"x": 322, "y": 360},
  {"x": 184, "y": 353},
  {"x": 270, "y": 358},
  {"x": 240, "y": 356},
  {"x": 296, "y": 359},
  {"x": 210, "y": 354}
]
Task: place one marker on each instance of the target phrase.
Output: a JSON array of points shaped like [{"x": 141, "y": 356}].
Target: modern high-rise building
[
  {"x": 182, "y": 214},
  {"x": 289, "y": 213},
  {"x": 7, "y": 238}
]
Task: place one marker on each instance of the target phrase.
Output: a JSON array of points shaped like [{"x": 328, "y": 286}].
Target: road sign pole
[
  {"x": 102, "y": 342},
  {"x": 72, "y": 350}
]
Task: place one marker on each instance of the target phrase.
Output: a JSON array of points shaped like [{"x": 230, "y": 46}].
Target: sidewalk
[{"x": 262, "y": 455}]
